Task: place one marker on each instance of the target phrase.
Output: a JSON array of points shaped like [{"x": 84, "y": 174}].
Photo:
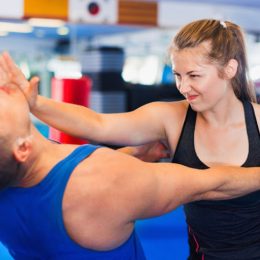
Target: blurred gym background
[{"x": 120, "y": 48}]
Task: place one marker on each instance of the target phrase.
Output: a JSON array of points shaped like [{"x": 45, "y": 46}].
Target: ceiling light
[
  {"x": 15, "y": 27},
  {"x": 63, "y": 30},
  {"x": 2, "y": 34},
  {"x": 39, "y": 22}
]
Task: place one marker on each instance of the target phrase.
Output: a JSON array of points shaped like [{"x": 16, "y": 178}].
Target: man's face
[
  {"x": 14, "y": 124},
  {"x": 14, "y": 113}
]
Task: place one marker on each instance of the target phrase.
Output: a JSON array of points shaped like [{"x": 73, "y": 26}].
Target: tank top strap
[
  {"x": 68, "y": 164},
  {"x": 185, "y": 151},
  {"x": 189, "y": 126},
  {"x": 253, "y": 134},
  {"x": 251, "y": 122}
]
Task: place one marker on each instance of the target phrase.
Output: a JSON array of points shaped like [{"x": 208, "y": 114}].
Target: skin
[{"x": 103, "y": 193}]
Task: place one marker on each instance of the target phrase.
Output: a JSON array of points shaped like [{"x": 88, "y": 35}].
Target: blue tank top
[
  {"x": 31, "y": 224},
  {"x": 227, "y": 229}
]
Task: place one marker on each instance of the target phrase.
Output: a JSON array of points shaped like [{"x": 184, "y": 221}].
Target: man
[{"x": 80, "y": 202}]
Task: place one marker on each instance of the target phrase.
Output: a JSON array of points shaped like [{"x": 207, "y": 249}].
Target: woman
[{"x": 217, "y": 124}]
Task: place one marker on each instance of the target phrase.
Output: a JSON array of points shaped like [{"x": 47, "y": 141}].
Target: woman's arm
[{"x": 143, "y": 125}]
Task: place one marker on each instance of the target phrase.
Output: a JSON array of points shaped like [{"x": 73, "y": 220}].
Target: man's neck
[{"x": 44, "y": 156}]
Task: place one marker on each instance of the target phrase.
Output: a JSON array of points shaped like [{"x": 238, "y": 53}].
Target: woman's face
[{"x": 197, "y": 79}]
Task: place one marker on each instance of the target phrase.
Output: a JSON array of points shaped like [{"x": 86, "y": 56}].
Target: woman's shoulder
[
  {"x": 165, "y": 109},
  {"x": 172, "y": 106}
]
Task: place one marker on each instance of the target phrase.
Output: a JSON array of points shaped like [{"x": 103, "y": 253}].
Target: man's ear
[
  {"x": 231, "y": 68},
  {"x": 22, "y": 149}
]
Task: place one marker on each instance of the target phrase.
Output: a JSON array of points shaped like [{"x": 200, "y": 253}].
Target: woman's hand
[{"x": 10, "y": 75}]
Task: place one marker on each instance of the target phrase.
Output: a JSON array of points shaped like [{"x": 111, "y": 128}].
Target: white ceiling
[
  {"x": 247, "y": 3},
  {"x": 244, "y": 12}
]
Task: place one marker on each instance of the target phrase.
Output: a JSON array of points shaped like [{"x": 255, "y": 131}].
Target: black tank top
[{"x": 227, "y": 229}]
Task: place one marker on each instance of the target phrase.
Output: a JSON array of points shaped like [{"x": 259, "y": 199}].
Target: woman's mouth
[{"x": 191, "y": 97}]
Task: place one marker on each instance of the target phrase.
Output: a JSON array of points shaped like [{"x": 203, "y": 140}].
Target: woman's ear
[
  {"x": 231, "y": 68},
  {"x": 22, "y": 148}
]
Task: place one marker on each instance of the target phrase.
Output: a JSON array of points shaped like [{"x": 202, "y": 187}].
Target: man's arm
[
  {"x": 142, "y": 190},
  {"x": 118, "y": 189}
]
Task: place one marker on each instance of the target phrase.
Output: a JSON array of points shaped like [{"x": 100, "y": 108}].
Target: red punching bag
[{"x": 75, "y": 91}]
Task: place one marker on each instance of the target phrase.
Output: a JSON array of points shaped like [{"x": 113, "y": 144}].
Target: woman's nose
[{"x": 184, "y": 86}]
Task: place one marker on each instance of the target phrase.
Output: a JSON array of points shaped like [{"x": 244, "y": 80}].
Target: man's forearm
[{"x": 235, "y": 182}]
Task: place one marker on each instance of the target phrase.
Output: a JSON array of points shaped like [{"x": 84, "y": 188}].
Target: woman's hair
[{"x": 227, "y": 42}]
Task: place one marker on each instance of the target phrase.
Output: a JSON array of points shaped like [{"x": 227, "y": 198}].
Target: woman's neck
[{"x": 226, "y": 112}]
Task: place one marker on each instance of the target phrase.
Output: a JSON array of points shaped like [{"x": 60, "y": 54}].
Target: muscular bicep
[{"x": 142, "y": 190}]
